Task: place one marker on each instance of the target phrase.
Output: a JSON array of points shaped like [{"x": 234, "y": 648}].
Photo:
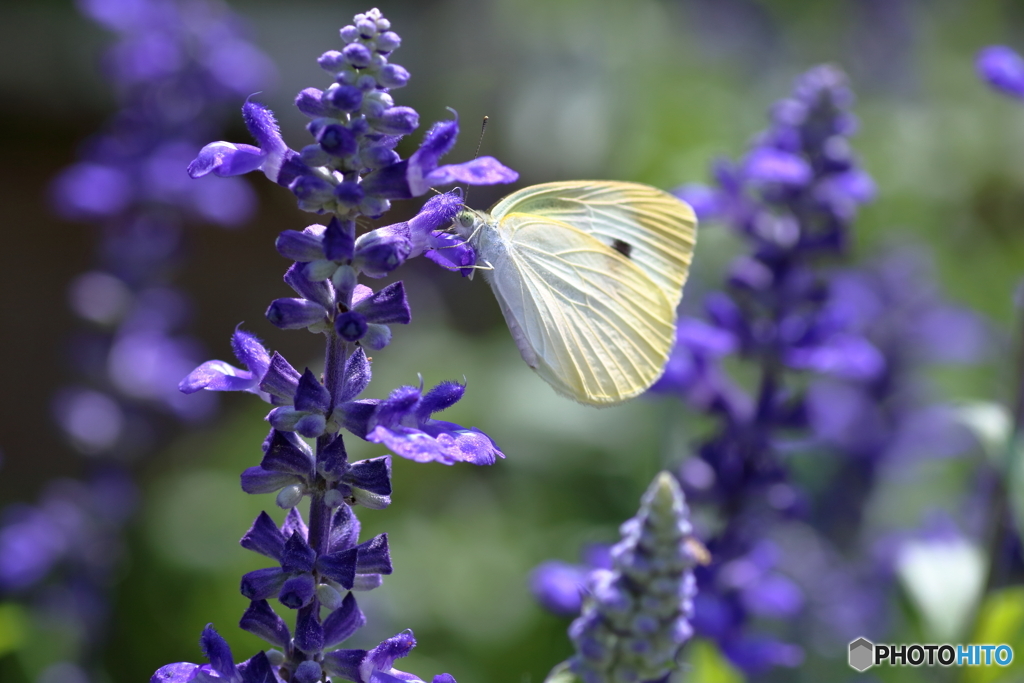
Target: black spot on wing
[{"x": 624, "y": 248}]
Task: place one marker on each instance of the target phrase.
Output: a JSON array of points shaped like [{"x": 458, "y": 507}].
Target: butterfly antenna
[{"x": 479, "y": 144}]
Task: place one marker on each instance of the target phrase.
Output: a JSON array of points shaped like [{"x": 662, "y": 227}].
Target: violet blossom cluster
[
  {"x": 839, "y": 355},
  {"x": 351, "y": 171},
  {"x": 792, "y": 198},
  {"x": 168, "y": 69}
]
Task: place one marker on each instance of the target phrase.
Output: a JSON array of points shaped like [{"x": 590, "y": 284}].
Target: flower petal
[
  {"x": 481, "y": 171},
  {"x": 226, "y": 159},
  {"x": 216, "y": 375},
  {"x": 264, "y": 537},
  {"x": 261, "y": 620},
  {"x": 343, "y": 622}
]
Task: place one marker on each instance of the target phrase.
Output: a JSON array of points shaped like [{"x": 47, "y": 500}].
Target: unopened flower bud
[
  {"x": 388, "y": 41},
  {"x": 289, "y": 497},
  {"x": 329, "y": 597},
  {"x": 334, "y": 498},
  {"x": 349, "y": 34}
]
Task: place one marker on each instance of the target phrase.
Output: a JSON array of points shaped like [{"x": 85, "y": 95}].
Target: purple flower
[
  {"x": 371, "y": 313},
  {"x": 769, "y": 165},
  {"x": 377, "y": 665},
  {"x": 402, "y": 422},
  {"x": 221, "y": 667},
  {"x": 1002, "y": 68},
  {"x": 416, "y": 175},
  {"x": 230, "y": 159},
  {"x": 559, "y": 586},
  {"x": 216, "y": 375}
]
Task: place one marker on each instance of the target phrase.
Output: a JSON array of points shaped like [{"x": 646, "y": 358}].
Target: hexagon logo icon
[{"x": 862, "y": 654}]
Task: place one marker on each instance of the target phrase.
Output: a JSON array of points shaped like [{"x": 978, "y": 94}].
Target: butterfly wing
[
  {"x": 585, "y": 317},
  {"x": 650, "y": 227}
]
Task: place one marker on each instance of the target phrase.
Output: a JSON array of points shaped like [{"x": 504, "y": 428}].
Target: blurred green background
[{"x": 645, "y": 90}]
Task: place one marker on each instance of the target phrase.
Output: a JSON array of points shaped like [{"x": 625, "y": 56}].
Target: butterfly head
[{"x": 467, "y": 223}]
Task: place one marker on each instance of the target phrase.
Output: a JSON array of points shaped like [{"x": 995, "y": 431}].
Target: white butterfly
[{"x": 588, "y": 275}]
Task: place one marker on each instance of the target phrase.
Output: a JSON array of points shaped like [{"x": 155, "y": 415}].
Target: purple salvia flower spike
[
  {"x": 353, "y": 170},
  {"x": 636, "y": 616},
  {"x": 127, "y": 184}
]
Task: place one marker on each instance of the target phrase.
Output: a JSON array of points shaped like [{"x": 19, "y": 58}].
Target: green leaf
[
  {"x": 1000, "y": 620},
  {"x": 707, "y": 665}
]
